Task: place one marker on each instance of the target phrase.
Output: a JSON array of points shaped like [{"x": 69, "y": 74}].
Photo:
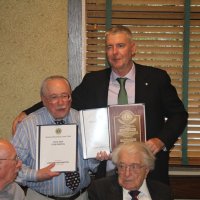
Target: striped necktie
[{"x": 122, "y": 96}]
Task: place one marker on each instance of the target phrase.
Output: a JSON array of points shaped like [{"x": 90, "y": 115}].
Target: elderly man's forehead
[
  {"x": 6, "y": 148},
  {"x": 54, "y": 83},
  {"x": 49, "y": 81}
]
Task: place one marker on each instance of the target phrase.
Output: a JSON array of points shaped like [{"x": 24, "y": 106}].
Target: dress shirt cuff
[
  {"x": 93, "y": 164},
  {"x": 27, "y": 174}
]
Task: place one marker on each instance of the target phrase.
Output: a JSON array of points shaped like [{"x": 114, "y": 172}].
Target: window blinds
[{"x": 158, "y": 30}]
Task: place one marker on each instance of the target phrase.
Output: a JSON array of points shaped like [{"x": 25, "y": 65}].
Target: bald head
[
  {"x": 9, "y": 163},
  {"x": 6, "y": 149}
]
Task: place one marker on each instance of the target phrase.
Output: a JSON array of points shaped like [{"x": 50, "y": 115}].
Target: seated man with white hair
[{"x": 133, "y": 160}]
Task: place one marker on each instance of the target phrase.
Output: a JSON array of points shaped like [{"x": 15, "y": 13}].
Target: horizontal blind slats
[{"x": 158, "y": 33}]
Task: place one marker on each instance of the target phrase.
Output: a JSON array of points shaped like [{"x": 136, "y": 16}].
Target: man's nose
[
  {"x": 60, "y": 100},
  {"x": 127, "y": 171},
  {"x": 115, "y": 50}
]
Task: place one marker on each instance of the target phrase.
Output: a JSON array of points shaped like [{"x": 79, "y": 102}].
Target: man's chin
[
  {"x": 127, "y": 185},
  {"x": 61, "y": 115},
  {"x": 116, "y": 65}
]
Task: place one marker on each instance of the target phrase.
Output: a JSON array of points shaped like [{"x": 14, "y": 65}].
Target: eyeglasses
[
  {"x": 16, "y": 158},
  {"x": 135, "y": 167},
  {"x": 55, "y": 98}
]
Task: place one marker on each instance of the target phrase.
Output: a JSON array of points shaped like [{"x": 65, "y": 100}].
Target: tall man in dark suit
[
  {"x": 166, "y": 117},
  {"x": 134, "y": 161}
]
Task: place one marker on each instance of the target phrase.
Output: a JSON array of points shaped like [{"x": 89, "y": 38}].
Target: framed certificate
[
  {"x": 94, "y": 131},
  {"x": 57, "y": 143}
]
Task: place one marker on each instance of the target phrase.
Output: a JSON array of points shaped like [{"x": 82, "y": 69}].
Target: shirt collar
[
  {"x": 143, "y": 190},
  {"x": 130, "y": 75}
]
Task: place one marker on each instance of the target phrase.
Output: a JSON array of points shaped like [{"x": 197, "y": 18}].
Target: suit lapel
[
  {"x": 141, "y": 84},
  {"x": 116, "y": 191},
  {"x": 103, "y": 89},
  {"x": 155, "y": 190}
]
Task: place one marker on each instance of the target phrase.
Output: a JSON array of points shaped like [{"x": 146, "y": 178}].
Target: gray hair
[
  {"x": 140, "y": 148},
  {"x": 54, "y": 77},
  {"x": 119, "y": 29}
]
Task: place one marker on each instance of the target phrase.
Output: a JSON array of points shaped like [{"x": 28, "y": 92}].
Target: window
[{"x": 160, "y": 32}]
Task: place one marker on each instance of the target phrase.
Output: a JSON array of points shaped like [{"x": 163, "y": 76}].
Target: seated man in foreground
[{"x": 134, "y": 161}]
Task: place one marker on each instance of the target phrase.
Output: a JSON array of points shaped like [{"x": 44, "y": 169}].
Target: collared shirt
[
  {"x": 12, "y": 192},
  {"x": 114, "y": 87},
  {"x": 144, "y": 193},
  {"x": 25, "y": 144}
]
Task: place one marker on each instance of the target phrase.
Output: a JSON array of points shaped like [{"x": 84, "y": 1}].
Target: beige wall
[{"x": 33, "y": 45}]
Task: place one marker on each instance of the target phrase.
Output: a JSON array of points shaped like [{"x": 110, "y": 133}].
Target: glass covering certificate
[
  {"x": 94, "y": 131},
  {"x": 57, "y": 143},
  {"x": 127, "y": 123}
]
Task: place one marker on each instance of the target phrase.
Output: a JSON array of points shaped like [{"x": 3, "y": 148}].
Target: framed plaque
[
  {"x": 58, "y": 144},
  {"x": 127, "y": 123}
]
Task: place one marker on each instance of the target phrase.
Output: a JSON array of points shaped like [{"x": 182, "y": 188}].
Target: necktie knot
[
  {"x": 134, "y": 194},
  {"x": 59, "y": 122},
  {"x": 122, "y": 96},
  {"x": 122, "y": 81}
]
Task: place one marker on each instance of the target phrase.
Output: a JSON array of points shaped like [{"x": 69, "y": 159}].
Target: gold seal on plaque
[
  {"x": 58, "y": 131},
  {"x": 126, "y": 117}
]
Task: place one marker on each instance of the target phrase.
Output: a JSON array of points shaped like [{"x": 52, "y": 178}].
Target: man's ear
[
  {"x": 146, "y": 172},
  {"x": 133, "y": 49},
  {"x": 43, "y": 100}
]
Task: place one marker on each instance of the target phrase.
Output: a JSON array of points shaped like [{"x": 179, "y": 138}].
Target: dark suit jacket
[
  {"x": 153, "y": 88},
  {"x": 108, "y": 188}
]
